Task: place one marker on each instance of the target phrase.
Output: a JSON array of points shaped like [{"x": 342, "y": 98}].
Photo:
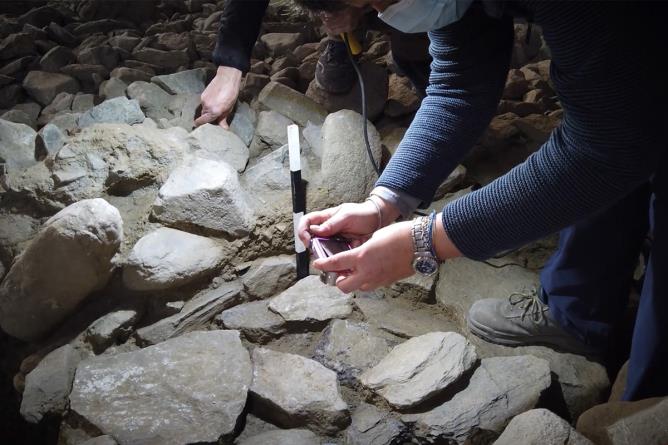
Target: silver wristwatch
[{"x": 424, "y": 259}]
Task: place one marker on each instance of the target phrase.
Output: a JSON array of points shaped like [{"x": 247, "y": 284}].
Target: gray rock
[
  {"x": 51, "y": 139},
  {"x": 129, "y": 75},
  {"x": 402, "y": 98},
  {"x": 112, "y": 328},
  {"x": 313, "y": 136},
  {"x": 19, "y": 117},
  {"x": 402, "y": 318},
  {"x": 267, "y": 277},
  {"x": 292, "y": 104},
  {"x": 271, "y": 132},
  {"x": 415, "y": 288},
  {"x": 183, "y": 82},
  {"x": 62, "y": 102},
  {"x": 32, "y": 109},
  {"x": 17, "y": 145},
  {"x": 41, "y": 289},
  {"x": 113, "y": 87},
  {"x": 212, "y": 200},
  {"x": 83, "y": 102},
  {"x": 43, "y": 86},
  {"x": 243, "y": 122},
  {"x": 371, "y": 426},
  {"x": 152, "y": 99},
  {"x": 255, "y": 321},
  {"x": 376, "y": 84},
  {"x": 114, "y": 158},
  {"x": 188, "y": 389},
  {"x": 11, "y": 95},
  {"x": 168, "y": 258},
  {"x": 283, "y": 437},
  {"x": 99, "y": 55},
  {"x": 169, "y": 60},
  {"x": 281, "y": 43},
  {"x": 420, "y": 368},
  {"x": 540, "y": 427},
  {"x": 350, "y": 348},
  {"x": 100, "y": 440},
  {"x": 311, "y": 301},
  {"x": 294, "y": 391},
  {"x": 195, "y": 314},
  {"x": 89, "y": 76},
  {"x": 347, "y": 173},
  {"x": 499, "y": 389},
  {"x": 217, "y": 143},
  {"x": 118, "y": 110},
  {"x": 49, "y": 384},
  {"x": 67, "y": 122},
  {"x": 454, "y": 180},
  {"x": 17, "y": 45},
  {"x": 56, "y": 58}
]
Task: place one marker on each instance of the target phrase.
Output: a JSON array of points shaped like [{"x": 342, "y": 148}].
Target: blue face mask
[{"x": 413, "y": 16}]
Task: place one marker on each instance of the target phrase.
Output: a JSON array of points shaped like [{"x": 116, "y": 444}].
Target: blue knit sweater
[{"x": 605, "y": 59}]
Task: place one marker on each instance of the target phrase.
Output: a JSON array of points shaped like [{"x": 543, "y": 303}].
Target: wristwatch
[{"x": 424, "y": 258}]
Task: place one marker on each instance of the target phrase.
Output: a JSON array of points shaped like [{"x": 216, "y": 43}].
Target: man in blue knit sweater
[{"x": 600, "y": 179}]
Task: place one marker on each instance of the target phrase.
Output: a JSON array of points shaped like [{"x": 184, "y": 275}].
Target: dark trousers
[{"x": 587, "y": 282}]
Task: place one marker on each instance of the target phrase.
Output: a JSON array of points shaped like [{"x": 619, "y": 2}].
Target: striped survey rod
[{"x": 298, "y": 198}]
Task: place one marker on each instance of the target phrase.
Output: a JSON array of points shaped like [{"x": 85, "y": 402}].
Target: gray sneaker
[{"x": 522, "y": 320}]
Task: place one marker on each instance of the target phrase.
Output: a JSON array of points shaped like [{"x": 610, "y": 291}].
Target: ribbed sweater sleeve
[
  {"x": 238, "y": 31},
  {"x": 468, "y": 72}
]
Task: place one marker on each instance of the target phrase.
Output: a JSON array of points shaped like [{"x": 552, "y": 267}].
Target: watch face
[{"x": 425, "y": 265}]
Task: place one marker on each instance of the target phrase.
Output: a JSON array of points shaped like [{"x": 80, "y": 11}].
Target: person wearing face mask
[
  {"x": 240, "y": 27},
  {"x": 600, "y": 179}
]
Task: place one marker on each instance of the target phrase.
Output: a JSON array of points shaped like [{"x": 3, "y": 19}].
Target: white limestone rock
[
  {"x": 168, "y": 258},
  {"x": 295, "y": 391},
  {"x": 222, "y": 145},
  {"x": 41, "y": 289},
  {"x": 540, "y": 427}
]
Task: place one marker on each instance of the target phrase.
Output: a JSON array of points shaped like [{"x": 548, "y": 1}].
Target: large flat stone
[
  {"x": 183, "y": 82},
  {"x": 217, "y": 143},
  {"x": 44, "y": 87},
  {"x": 371, "y": 426},
  {"x": 17, "y": 145},
  {"x": 119, "y": 110},
  {"x": 283, "y": 437},
  {"x": 267, "y": 277},
  {"x": 189, "y": 389},
  {"x": 292, "y": 104},
  {"x": 255, "y": 321},
  {"x": 293, "y": 391},
  {"x": 540, "y": 427}
]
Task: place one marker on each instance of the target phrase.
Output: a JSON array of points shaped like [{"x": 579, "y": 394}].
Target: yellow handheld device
[{"x": 353, "y": 43}]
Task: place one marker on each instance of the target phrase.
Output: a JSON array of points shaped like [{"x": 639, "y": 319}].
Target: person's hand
[
  {"x": 353, "y": 221},
  {"x": 385, "y": 258},
  {"x": 338, "y": 22},
  {"x": 219, "y": 97}
]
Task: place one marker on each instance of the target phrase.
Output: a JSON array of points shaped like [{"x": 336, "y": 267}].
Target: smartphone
[{"x": 323, "y": 247}]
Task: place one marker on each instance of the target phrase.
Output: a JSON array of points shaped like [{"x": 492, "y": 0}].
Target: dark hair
[{"x": 321, "y": 5}]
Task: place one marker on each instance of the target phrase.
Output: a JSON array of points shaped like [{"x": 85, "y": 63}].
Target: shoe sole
[{"x": 491, "y": 336}]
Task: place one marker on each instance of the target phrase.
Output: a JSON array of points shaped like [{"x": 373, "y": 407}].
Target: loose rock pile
[{"x": 146, "y": 264}]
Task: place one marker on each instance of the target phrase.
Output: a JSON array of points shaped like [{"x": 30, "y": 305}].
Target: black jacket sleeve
[{"x": 238, "y": 31}]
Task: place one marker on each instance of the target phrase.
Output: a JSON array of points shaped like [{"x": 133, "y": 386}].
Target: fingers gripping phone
[{"x": 323, "y": 247}]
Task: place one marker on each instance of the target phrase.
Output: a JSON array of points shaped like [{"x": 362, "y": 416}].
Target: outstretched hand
[
  {"x": 353, "y": 221},
  {"x": 219, "y": 97}
]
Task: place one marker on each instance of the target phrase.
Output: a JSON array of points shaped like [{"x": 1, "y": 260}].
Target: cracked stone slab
[
  {"x": 540, "y": 427},
  {"x": 255, "y": 321}
]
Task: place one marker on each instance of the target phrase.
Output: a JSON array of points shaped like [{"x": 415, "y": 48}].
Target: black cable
[{"x": 360, "y": 78}]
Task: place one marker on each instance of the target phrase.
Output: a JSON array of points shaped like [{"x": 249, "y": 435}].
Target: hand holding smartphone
[{"x": 324, "y": 247}]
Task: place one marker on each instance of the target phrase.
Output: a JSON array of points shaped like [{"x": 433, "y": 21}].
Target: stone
[
  {"x": 83, "y": 102},
  {"x": 292, "y": 104},
  {"x": 271, "y": 132},
  {"x": 194, "y": 315},
  {"x": 350, "y": 348},
  {"x": 184, "y": 82},
  {"x": 454, "y": 180},
  {"x": 283, "y": 437},
  {"x": 17, "y": 145},
  {"x": 212, "y": 200},
  {"x": 626, "y": 423},
  {"x": 100, "y": 440},
  {"x": 267, "y": 277},
  {"x": 311, "y": 301},
  {"x": 371, "y": 426},
  {"x": 294, "y": 391},
  {"x": 421, "y": 368},
  {"x": 113, "y": 328},
  {"x": 50, "y": 140},
  {"x": 99, "y": 55},
  {"x": 124, "y": 42},
  {"x": 255, "y": 321},
  {"x": 129, "y": 75},
  {"x": 151, "y": 98},
  {"x": 376, "y": 85},
  {"x": 61, "y": 103},
  {"x": 347, "y": 173},
  {"x": 17, "y": 45},
  {"x": 499, "y": 389},
  {"x": 280, "y": 44},
  {"x": 540, "y": 427},
  {"x": 402, "y": 98},
  {"x": 253, "y": 85},
  {"x": 19, "y": 117},
  {"x": 114, "y": 158},
  {"x": 217, "y": 143},
  {"x": 17, "y": 69},
  {"x": 168, "y": 60},
  {"x": 392, "y": 137},
  {"x": 403, "y": 318},
  {"x": 61, "y": 35},
  {"x": 90, "y": 77},
  {"x": 168, "y": 258},
  {"x": 113, "y": 87},
  {"x": 16, "y": 231},
  {"x": 313, "y": 136},
  {"x": 41, "y": 290},
  {"x": 43, "y": 86},
  {"x": 11, "y": 95},
  {"x": 243, "y": 123},
  {"x": 49, "y": 384},
  {"x": 119, "y": 110},
  {"x": 190, "y": 389},
  {"x": 56, "y": 58}
]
